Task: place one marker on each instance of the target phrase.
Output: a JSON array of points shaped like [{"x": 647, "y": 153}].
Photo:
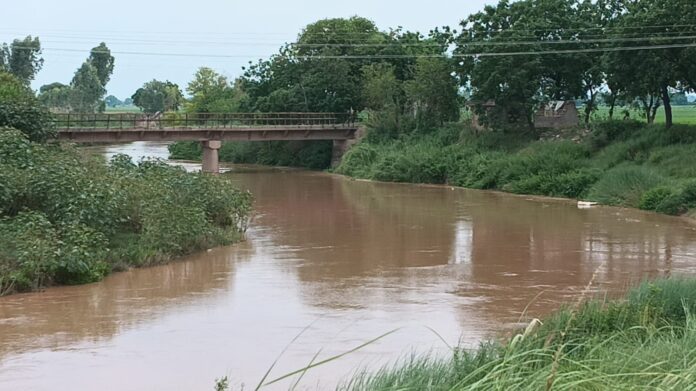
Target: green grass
[
  {"x": 681, "y": 114},
  {"x": 622, "y": 163},
  {"x": 123, "y": 109},
  {"x": 646, "y": 341}
]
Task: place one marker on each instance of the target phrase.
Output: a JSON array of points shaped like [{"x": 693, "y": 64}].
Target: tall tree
[
  {"x": 323, "y": 70},
  {"x": 433, "y": 92},
  {"x": 22, "y": 58},
  {"x": 87, "y": 89},
  {"x": 103, "y": 62},
  {"x": 520, "y": 83}
]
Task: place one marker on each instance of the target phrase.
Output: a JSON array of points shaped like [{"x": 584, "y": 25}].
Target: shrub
[
  {"x": 359, "y": 160},
  {"x": 185, "y": 150},
  {"x": 573, "y": 184},
  {"x": 68, "y": 220},
  {"x": 19, "y": 109},
  {"x": 654, "y": 197},
  {"x": 625, "y": 185},
  {"x": 607, "y": 132}
]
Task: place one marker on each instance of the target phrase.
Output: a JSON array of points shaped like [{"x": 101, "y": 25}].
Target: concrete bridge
[{"x": 210, "y": 129}]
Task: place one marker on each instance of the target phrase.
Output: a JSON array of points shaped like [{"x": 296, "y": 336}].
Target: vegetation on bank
[
  {"x": 623, "y": 163},
  {"x": 69, "y": 219},
  {"x": 645, "y": 341}
]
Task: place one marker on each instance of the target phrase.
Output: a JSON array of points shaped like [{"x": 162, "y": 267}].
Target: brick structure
[{"x": 557, "y": 115}]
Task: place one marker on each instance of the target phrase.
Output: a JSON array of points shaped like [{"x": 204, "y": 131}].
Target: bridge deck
[
  {"x": 204, "y": 127},
  {"x": 257, "y": 133}
]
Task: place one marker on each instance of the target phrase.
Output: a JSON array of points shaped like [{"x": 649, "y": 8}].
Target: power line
[
  {"x": 425, "y": 45},
  {"x": 401, "y": 56}
]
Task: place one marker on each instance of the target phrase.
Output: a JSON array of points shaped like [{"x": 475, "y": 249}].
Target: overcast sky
[{"x": 241, "y": 30}]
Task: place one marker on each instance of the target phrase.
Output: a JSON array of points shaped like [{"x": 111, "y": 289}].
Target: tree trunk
[
  {"x": 646, "y": 108},
  {"x": 612, "y": 105},
  {"x": 668, "y": 106},
  {"x": 589, "y": 108}
]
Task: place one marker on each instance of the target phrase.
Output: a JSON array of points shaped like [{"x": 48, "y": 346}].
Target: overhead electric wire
[
  {"x": 396, "y": 56},
  {"x": 425, "y": 44}
]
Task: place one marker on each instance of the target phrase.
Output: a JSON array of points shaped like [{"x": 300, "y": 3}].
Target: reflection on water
[{"x": 349, "y": 259}]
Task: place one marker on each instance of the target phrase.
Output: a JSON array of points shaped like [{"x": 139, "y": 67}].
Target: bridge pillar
[
  {"x": 211, "y": 159},
  {"x": 340, "y": 147}
]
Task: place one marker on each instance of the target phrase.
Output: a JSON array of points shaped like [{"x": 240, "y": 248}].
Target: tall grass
[
  {"x": 646, "y": 341},
  {"x": 624, "y": 163}
]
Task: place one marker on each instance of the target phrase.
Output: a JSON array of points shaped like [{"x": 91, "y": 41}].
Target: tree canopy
[
  {"x": 158, "y": 96},
  {"x": 22, "y": 58}
]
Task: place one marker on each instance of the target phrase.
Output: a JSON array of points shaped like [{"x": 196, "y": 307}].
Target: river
[{"x": 336, "y": 262}]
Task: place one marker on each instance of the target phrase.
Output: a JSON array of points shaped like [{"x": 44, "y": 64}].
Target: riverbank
[
  {"x": 618, "y": 163},
  {"x": 645, "y": 341},
  {"x": 69, "y": 219}
]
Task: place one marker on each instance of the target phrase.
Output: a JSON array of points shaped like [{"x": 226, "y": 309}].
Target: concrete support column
[
  {"x": 339, "y": 149},
  {"x": 211, "y": 159}
]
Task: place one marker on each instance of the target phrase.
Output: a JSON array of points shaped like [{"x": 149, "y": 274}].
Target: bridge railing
[{"x": 117, "y": 121}]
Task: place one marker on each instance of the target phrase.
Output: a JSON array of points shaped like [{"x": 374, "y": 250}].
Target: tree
[
  {"x": 433, "y": 92},
  {"x": 158, "y": 96},
  {"x": 103, "y": 62},
  {"x": 87, "y": 89},
  {"x": 56, "y": 96},
  {"x": 650, "y": 76},
  {"x": 22, "y": 58},
  {"x": 19, "y": 109},
  {"x": 112, "y": 101},
  {"x": 383, "y": 95},
  {"x": 519, "y": 84},
  {"x": 211, "y": 92}
]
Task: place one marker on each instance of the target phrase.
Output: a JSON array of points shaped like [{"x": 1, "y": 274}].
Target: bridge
[{"x": 210, "y": 129}]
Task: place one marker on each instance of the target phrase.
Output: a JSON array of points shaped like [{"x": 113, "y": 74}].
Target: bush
[
  {"x": 625, "y": 185},
  {"x": 68, "y": 220},
  {"x": 607, "y": 132},
  {"x": 573, "y": 184},
  {"x": 654, "y": 197},
  {"x": 19, "y": 109},
  {"x": 359, "y": 160},
  {"x": 185, "y": 150}
]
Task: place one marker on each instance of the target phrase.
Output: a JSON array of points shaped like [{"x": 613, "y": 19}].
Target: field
[
  {"x": 685, "y": 115},
  {"x": 122, "y": 109}
]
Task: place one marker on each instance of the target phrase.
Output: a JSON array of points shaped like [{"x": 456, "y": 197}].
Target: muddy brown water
[{"x": 337, "y": 262}]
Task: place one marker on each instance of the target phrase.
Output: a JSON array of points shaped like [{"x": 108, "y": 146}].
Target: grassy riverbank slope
[
  {"x": 647, "y": 341},
  {"x": 623, "y": 163},
  {"x": 70, "y": 219}
]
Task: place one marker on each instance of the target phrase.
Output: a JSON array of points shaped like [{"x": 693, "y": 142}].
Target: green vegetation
[
  {"x": 646, "y": 341},
  {"x": 86, "y": 91},
  {"x": 685, "y": 115},
  {"x": 67, "y": 219},
  {"x": 622, "y": 163},
  {"x": 157, "y": 96}
]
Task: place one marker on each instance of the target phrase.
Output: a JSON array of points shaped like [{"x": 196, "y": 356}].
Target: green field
[
  {"x": 682, "y": 114},
  {"x": 123, "y": 109}
]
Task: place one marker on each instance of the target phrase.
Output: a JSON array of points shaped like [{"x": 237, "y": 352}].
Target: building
[{"x": 558, "y": 114}]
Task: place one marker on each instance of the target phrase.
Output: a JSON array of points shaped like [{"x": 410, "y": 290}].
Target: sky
[{"x": 196, "y": 31}]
